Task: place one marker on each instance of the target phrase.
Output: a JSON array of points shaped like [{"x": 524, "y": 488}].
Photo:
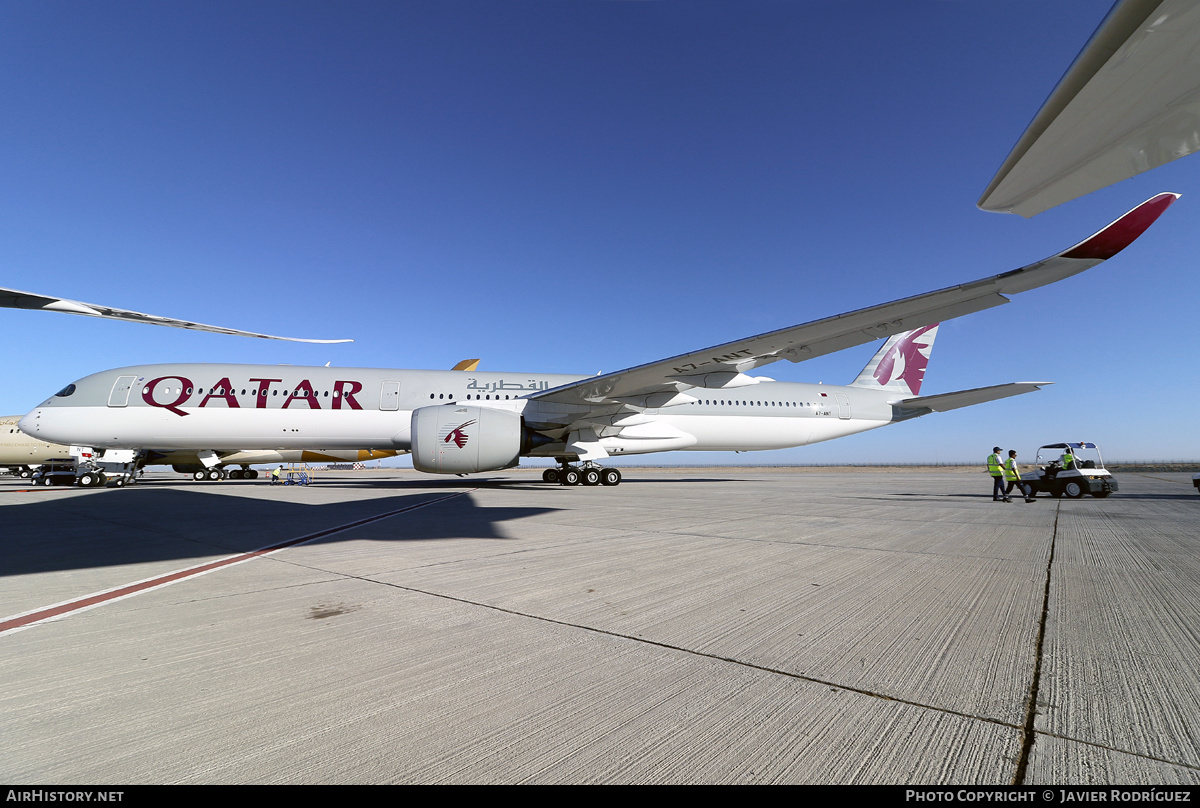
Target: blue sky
[{"x": 578, "y": 187}]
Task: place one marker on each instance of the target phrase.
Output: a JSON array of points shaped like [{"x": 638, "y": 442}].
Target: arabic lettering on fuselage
[
  {"x": 502, "y": 386},
  {"x": 173, "y": 392}
]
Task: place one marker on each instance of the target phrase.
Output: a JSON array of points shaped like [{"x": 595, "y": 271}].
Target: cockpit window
[{"x": 66, "y": 391}]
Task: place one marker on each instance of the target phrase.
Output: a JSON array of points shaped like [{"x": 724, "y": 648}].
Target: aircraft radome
[
  {"x": 457, "y": 422},
  {"x": 1130, "y": 102}
]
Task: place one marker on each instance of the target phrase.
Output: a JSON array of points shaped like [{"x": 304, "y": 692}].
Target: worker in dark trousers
[
  {"x": 996, "y": 468},
  {"x": 1012, "y": 473}
]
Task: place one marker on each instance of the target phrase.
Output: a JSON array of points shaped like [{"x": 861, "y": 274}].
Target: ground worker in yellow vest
[
  {"x": 1012, "y": 473},
  {"x": 996, "y": 469},
  {"x": 277, "y": 476},
  {"x": 1067, "y": 459}
]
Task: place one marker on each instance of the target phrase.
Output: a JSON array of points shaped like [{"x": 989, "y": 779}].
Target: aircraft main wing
[
  {"x": 968, "y": 398},
  {"x": 1129, "y": 102},
  {"x": 16, "y": 299},
  {"x": 661, "y": 384}
]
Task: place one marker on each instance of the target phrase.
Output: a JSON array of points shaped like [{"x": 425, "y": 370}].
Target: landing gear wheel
[
  {"x": 610, "y": 477},
  {"x": 252, "y": 474},
  {"x": 26, "y": 474},
  {"x": 213, "y": 475},
  {"x": 591, "y": 476},
  {"x": 550, "y": 476},
  {"x": 199, "y": 476},
  {"x": 1073, "y": 489},
  {"x": 87, "y": 480},
  {"x": 569, "y": 477},
  {"x": 236, "y": 474}
]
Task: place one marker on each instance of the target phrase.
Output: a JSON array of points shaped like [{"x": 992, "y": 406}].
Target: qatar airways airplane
[{"x": 460, "y": 423}]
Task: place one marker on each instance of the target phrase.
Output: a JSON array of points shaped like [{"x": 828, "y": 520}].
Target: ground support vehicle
[
  {"x": 1085, "y": 475},
  {"x": 59, "y": 471},
  {"x": 1196, "y": 481}
]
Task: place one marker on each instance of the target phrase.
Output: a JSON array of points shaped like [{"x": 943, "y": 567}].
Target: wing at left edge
[
  {"x": 1129, "y": 102},
  {"x": 663, "y": 383},
  {"x": 16, "y": 299}
]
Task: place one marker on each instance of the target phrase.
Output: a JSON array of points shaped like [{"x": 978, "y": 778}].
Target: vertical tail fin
[{"x": 900, "y": 364}]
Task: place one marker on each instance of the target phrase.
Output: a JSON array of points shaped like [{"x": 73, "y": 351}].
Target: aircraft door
[
  {"x": 389, "y": 396},
  {"x": 843, "y": 401},
  {"x": 119, "y": 397}
]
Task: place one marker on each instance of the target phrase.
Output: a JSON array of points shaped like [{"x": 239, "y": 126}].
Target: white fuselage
[{"x": 272, "y": 407}]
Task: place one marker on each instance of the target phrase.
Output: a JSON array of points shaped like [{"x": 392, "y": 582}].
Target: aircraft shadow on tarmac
[{"x": 144, "y": 525}]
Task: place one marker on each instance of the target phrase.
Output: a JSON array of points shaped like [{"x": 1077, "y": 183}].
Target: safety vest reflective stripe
[{"x": 994, "y": 465}]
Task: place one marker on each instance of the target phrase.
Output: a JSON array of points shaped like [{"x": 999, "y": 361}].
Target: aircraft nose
[{"x": 28, "y": 423}]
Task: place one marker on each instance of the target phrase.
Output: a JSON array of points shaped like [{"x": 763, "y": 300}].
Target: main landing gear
[{"x": 587, "y": 474}]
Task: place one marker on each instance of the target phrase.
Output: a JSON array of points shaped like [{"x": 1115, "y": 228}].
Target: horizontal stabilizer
[
  {"x": 967, "y": 398},
  {"x": 16, "y": 299}
]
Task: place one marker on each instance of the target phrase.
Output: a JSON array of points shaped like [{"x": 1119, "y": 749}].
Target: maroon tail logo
[
  {"x": 914, "y": 362},
  {"x": 457, "y": 436}
]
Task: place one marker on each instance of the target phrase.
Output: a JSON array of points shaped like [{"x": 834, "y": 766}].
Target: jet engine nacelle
[{"x": 459, "y": 439}]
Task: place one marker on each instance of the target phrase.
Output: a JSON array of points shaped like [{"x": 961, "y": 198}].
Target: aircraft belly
[
  {"x": 224, "y": 429},
  {"x": 742, "y": 432},
  {"x": 748, "y": 433}
]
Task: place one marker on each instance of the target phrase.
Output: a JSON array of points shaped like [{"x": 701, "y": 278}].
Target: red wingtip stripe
[{"x": 1124, "y": 231}]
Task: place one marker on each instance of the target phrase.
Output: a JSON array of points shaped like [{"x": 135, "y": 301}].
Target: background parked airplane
[
  {"x": 22, "y": 454},
  {"x": 455, "y": 422}
]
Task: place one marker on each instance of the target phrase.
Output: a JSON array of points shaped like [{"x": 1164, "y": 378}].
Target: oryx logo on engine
[{"x": 456, "y": 435}]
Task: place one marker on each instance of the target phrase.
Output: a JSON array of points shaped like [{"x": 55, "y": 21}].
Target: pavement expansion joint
[{"x": 1028, "y": 734}]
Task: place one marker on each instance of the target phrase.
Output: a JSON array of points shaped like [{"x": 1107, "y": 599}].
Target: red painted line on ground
[{"x": 138, "y": 587}]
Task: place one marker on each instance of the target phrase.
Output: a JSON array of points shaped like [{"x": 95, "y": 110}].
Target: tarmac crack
[
  {"x": 693, "y": 652},
  {"x": 1028, "y": 734}
]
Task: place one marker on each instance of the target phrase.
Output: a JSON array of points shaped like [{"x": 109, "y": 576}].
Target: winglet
[{"x": 1124, "y": 231}]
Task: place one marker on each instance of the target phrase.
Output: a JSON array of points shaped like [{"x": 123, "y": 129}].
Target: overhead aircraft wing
[
  {"x": 968, "y": 398},
  {"x": 1129, "y": 102},
  {"x": 16, "y": 299},
  {"x": 661, "y": 384}
]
